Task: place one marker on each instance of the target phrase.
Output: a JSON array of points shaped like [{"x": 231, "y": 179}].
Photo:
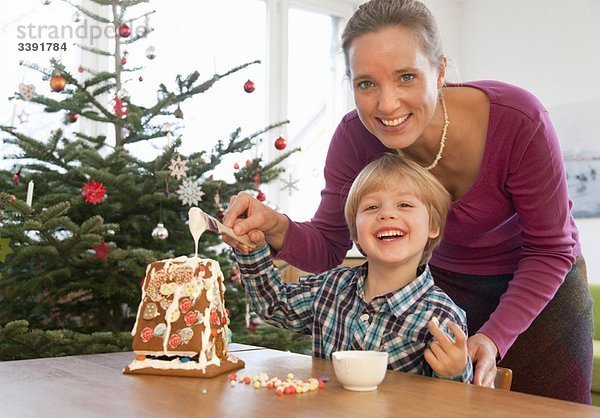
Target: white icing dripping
[{"x": 197, "y": 225}]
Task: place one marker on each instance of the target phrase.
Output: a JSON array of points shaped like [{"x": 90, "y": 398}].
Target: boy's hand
[{"x": 446, "y": 357}]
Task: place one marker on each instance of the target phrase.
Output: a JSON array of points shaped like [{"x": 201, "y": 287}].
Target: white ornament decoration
[
  {"x": 290, "y": 185},
  {"x": 26, "y": 91},
  {"x": 178, "y": 168},
  {"x": 160, "y": 233},
  {"x": 151, "y": 52},
  {"x": 190, "y": 192}
]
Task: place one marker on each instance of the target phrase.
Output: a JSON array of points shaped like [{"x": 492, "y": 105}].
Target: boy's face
[{"x": 393, "y": 227}]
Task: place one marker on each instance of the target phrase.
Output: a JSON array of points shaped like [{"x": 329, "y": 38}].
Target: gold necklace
[{"x": 438, "y": 156}]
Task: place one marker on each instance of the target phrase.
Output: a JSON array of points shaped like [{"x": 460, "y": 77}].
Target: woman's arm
[{"x": 537, "y": 185}]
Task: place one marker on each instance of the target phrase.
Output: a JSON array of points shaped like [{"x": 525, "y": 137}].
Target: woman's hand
[
  {"x": 483, "y": 353},
  {"x": 246, "y": 215},
  {"x": 447, "y": 357}
]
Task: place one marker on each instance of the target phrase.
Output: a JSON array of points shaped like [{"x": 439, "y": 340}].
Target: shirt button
[{"x": 364, "y": 317}]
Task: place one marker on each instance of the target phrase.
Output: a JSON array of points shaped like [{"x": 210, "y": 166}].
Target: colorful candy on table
[{"x": 289, "y": 386}]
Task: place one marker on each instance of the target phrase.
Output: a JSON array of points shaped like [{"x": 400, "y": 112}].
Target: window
[{"x": 300, "y": 78}]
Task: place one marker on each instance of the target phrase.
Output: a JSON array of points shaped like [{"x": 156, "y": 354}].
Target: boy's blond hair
[{"x": 393, "y": 171}]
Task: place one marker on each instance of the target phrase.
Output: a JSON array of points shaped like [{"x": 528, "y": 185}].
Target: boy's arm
[{"x": 287, "y": 305}]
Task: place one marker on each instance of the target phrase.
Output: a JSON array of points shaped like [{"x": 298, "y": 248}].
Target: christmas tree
[{"x": 73, "y": 256}]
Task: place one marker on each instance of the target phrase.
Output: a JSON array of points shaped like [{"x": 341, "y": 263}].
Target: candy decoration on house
[
  {"x": 102, "y": 251},
  {"x": 178, "y": 168},
  {"x": 16, "y": 178},
  {"x": 190, "y": 192},
  {"x": 124, "y": 30},
  {"x": 280, "y": 143},
  {"x": 26, "y": 91},
  {"x": 93, "y": 192},
  {"x": 4, "y": 248},
  {"x": 160, "y": 233},
  {"x": 249, "y": 86},
  {"x": 57, "y": 83}
]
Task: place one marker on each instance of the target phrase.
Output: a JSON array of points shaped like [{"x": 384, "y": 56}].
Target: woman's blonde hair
[{"x": 392, "y": 171}]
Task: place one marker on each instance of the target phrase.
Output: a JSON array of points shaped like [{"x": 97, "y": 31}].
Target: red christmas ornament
[
  {"x": 101, "y": 251},
  {"x": 57, "y": 83},
  {"x": 236, "y": 166},
  {"x": 140, "y": 78},
  {"x": 248, "y": 162},
  {"x": 80, "y": 69},
  {"x": 120, "y": 108},
  {"x": 93, "y": 192},
  {"x": 123, "y": 60},
  {"x": 17, "y": 177},
  {"x": 124, "y": 30},
  {"x": 71, "y": 117},
  {"x": 261, "y": 197},
  {"x": 280, "y": 143},
  {"x": 249, "y": 86}
]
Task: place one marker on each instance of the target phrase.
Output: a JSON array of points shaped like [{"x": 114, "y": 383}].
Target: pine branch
[
  {"x": 173, "y": 98},
  {"x": 88, "y": 13},
  {"x": 93, "y": 50}
]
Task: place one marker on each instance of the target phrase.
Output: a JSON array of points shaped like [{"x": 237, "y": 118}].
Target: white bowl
[{"x": 360, "y": 370}]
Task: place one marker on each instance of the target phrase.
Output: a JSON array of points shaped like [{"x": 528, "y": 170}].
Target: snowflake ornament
[
  {"x": 190, "y": 192},
  {"x": 178, "y": 168}
]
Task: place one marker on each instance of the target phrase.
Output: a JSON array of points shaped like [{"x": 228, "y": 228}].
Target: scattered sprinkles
[{"x": 289, "y": 386}]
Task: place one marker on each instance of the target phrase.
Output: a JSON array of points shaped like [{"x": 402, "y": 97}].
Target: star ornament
[
  {"x": 178, "y": 168},
  {"x": 190, "y": 192},
  {"x": 4, "y": 249},
  {"x": 101, "y": 251},
  {"x": 23, "y": 117}
]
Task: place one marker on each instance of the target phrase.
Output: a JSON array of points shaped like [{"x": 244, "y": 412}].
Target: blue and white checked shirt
[{"x": 330, "y": 306}]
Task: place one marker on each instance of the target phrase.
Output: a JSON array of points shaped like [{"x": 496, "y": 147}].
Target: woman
[{"x": 510, "y": 255}]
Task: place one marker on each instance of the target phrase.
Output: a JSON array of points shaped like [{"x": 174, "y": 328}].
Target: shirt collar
[
  {"x": 403, "y": 299},
  {"x": 407, "y": 297}
]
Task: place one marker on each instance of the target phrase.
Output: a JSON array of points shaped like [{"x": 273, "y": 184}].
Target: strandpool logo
[{"x": 81, "y": 31}]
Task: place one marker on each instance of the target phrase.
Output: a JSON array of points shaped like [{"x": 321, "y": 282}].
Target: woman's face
[{"x": 395, "y": 85}]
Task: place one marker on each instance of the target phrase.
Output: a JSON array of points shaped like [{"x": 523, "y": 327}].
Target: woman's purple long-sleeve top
[{"x": 515, "y": 219}]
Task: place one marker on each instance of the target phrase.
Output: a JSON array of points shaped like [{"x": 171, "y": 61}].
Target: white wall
[{"x": 549, "y": 47}]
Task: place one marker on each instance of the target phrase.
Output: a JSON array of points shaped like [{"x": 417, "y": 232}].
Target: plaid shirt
[{"x": 331, "y": 307}]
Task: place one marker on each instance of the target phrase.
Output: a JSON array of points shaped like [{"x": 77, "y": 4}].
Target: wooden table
[{"x": 93, "y": 386}]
